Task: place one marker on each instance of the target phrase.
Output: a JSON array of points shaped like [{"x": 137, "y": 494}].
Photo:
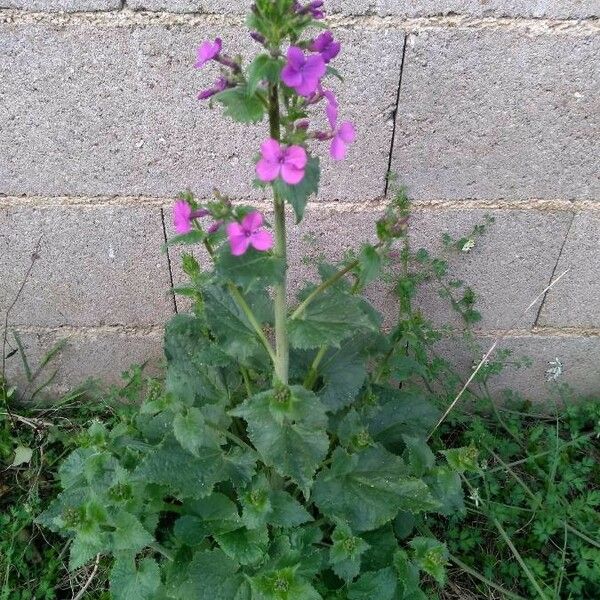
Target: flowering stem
[{"x": 281, "y": 338}]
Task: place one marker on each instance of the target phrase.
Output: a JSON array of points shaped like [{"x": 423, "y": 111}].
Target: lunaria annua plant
[{"x": 278, "y": 459}]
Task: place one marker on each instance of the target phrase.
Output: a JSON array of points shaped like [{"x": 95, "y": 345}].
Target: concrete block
[
  {"x": 114, "y": 111},
  {"x": 498, "y": 114},
  {"x": 557, "y": 9},
  {"x": 62, "y": 5},
  {"x": 508, "y": 268},
  {"x": 97, "y": 266},
  {"x": 574, "y": 301},
  {"x": 578, "y": 356},
  {"x": 101, "y": 355}
]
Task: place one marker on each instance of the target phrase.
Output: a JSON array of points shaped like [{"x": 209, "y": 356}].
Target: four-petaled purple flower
[
  {"x": 326, "y": 46},
  {"x": 276, "y": 160},
  {"x": 183, "y": 215},
  {"x": 208, "y": 51},
  {"x": 303, "y": 73},
  {"x": 221, "y": 84},
  {"x": 248, "y": 233}
]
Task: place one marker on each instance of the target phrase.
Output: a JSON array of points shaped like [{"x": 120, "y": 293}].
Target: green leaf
[
  {"x": 446, "y": 488},
  {"x": 129, "y": 533},
  {"x": 253, "y": 270},
  {"x": 287, "y": 511},
  {"x": 88, "y": 542},
  {"x": 382, "y": 546},
  {"x": 230, "y": 326},
  {"x": 408, "y": 576},
  {"x": 375, "y": 584},
  {"x": 345, "y": 553},
  {"x": 367, "y": 489},
  {"x": 343, "y": 371},
  {"x": 23, "y": 455},
  {"x": 211, "y": 576},
  {"x": 401, "y": 413},
  {"x": 334, "y": 72},
  {"x": 431, "y": 556},
  {"x": 186, "y": 475},
  {"x": 193, "y": 433},
  {"x": 129, "y": 581},
  {"x": 298, "y": 195},
  {"x": 242, "y": 105},
  {"x": 247, "y": 546},
  {"x": 421, "y": 458},
  {"x": 282, "y": 584},
  {"x": 328, "y": 320},
  {"x": 196, "y": 236},
  {"x": 463, "y": 459},
  {"x": 287, "y": 427},
  {"x": 263, "y": 68},
  {"x": 208, "y": 516},
  {"x": 369, "y": 264}
]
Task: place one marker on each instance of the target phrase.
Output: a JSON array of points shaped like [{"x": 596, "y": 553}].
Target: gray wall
[{"x": 479, "y": 106}]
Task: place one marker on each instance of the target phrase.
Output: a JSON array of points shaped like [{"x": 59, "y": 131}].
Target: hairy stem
[{"x": 282, "y": 351}]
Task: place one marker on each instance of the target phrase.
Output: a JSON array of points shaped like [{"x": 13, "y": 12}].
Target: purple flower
[
  {"x": 208, "y": 51},
  {"x": 332, "y": 108},
  {"x": 312, "y": 8},
  {"x": 221, "y": 84},
  {"x": 288, "y": 162},
  {"x": 249, "y": 233},
  {"x": 326, "y": 46},
  {"x": 343, "y": 136},
  {"x": 183, "y": 215},
  {"x": 303, "y": 73}
]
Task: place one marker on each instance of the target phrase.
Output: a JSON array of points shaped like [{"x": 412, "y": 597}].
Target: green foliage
[
  {"x": 242, "y": 104},
  {"x": 298, "y": 195},
  {"x": 538, "y": 482}
]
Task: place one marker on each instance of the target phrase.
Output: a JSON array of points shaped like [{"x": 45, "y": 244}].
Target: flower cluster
[
  {"x": 242, "y": 235},
  {"x": 301, "y": 70}
]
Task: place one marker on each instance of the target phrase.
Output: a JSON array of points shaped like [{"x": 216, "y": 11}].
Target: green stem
[
  {"x": 241, "y": 302},
  {"x": 311, "y": 376},
  {"x": 246, "y": 379},
  {"x": 321, "y": 288},
  {"x": 282, "y": 351}
]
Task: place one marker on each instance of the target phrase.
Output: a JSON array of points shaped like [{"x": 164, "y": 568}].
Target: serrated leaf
[
  {"x": 431, "y": 556},
  {"x": 462, "y": 459},
  {"x": 289, "y": 433},
  {"x": 129, "y": 533},
  {"x": 402, "y": 412},
  {"x": 192, "y": 432},
  {"x": 382, "y": 545},
  {"x": 242, "y": 105},
  {"x": 129, "y": 581},
  {"x": 287, "y": 511},
  {"x": 186, "y": 475},
  {"x": 206, "y": 516},
  {"x": 420, "y": 456},
  {"x": 298, "y": 195},
  {"x": 211, "y": 576},
  {"x": 368, "y": 489},
  {"x": 251, "y": 271},
  {"x": 88, "y": 542},
  {"x": 446, "y": 488},
  {"x": 374, "y": 584},
  {"x": 345, "y": 552},
  {"x": 230, "y": 326},
  {"x": 263, "y": 68},
  {"x": 328, "y": 320},
  {"x": 333, "y": 71},
  {"x": 343, "y": 371},
  {"x": 247, "y": 546},
  {"x": 369, "y": 264},
  {"x": 282, "y": 584}
]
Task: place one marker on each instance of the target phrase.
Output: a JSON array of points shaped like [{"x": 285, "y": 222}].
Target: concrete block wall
[{"x": 479, "y": 106}]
